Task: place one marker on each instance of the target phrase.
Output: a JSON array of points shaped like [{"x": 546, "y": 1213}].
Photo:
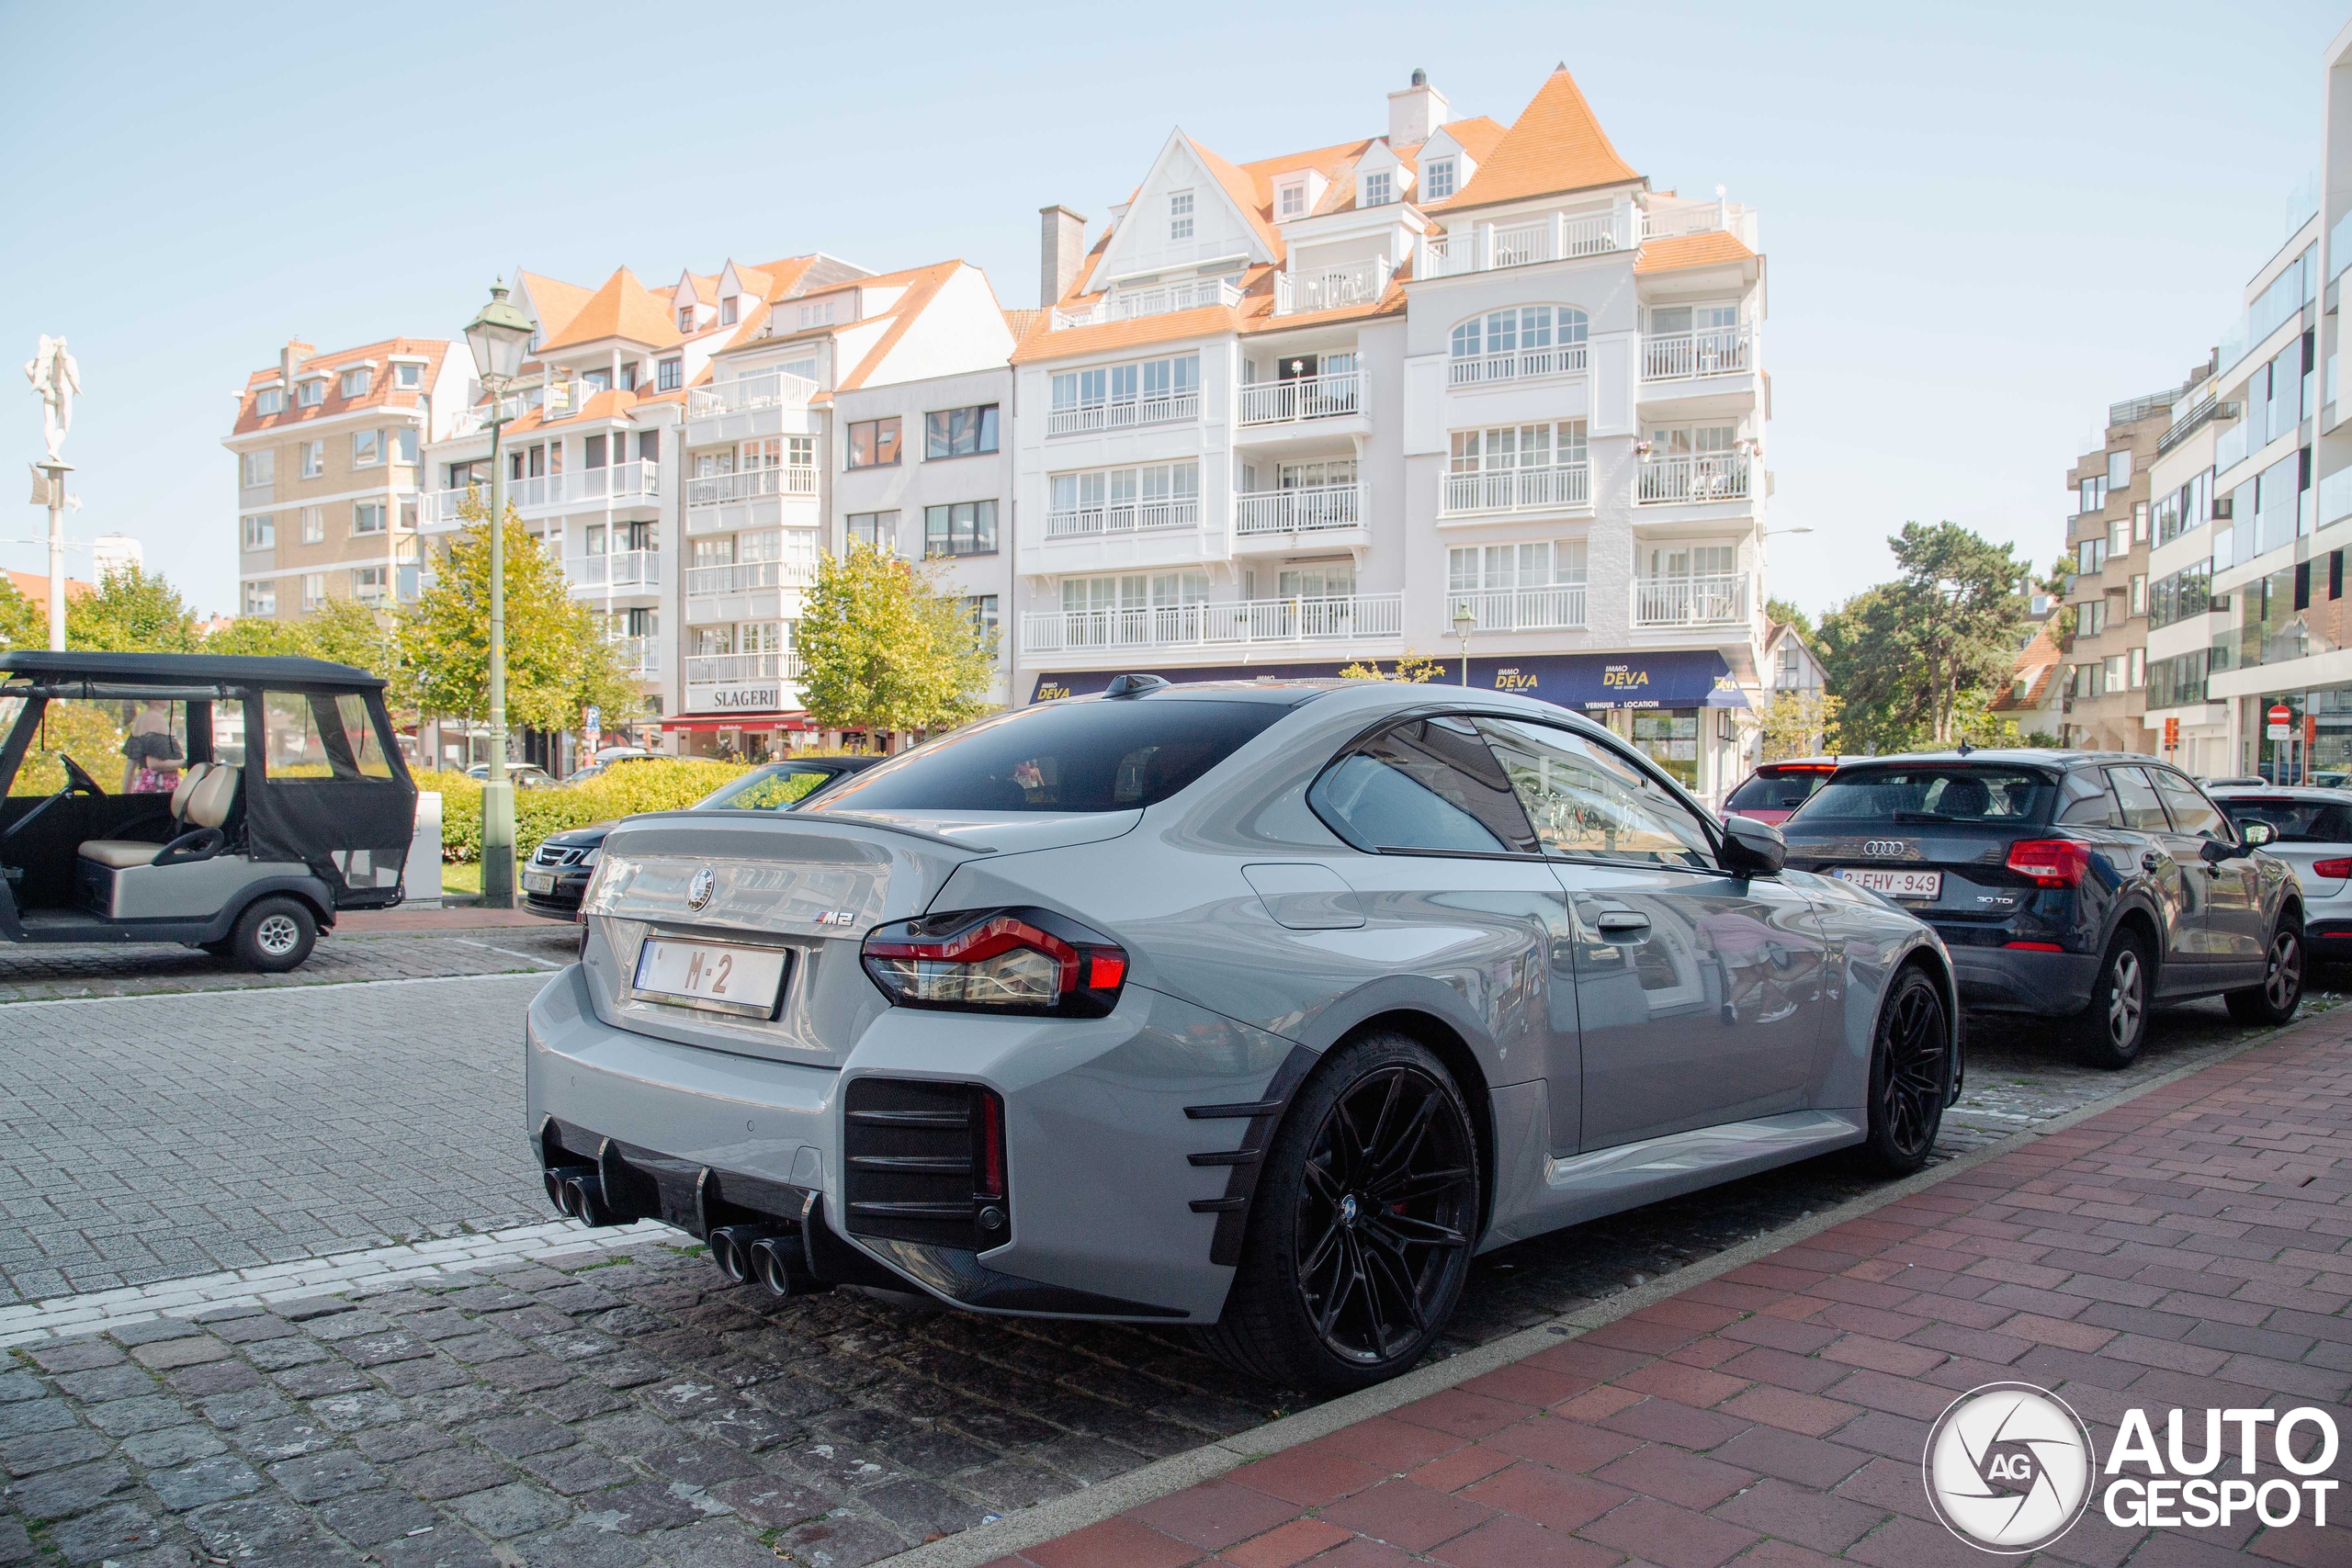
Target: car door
[
  {"x": 2237, "y": 934},
  {"x": 2171, "y": 864},
  {"x": 1698, "y": 993}
]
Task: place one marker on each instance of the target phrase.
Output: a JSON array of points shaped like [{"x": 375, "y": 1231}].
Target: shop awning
[
  {"x": 735, "y": 721},
  {"x": 1677, "y": 678}
]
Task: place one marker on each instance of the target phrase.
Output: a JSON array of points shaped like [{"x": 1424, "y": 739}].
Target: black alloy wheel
[
  {"x": 2281, "y": 991},
  {"x": 1910, "y": 1065}
]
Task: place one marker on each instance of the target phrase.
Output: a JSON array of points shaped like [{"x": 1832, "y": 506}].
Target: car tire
[
  {"x": 1910, "y": 1066},
  {"x": 2112, "y": 1031},
  {"x": 274, "y": 935},
  {"x": 2281, "y": 991},
  {"x": 1362, "y": 1227}
]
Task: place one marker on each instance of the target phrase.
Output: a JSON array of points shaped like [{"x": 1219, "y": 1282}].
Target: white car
[{"x": 2314, "y": 828}]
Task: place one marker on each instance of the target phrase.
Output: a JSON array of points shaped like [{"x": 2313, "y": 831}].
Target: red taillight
[
  {"x": 2035, "y": 946},
  {"x": 2050, "y": 863},
  {"x": 988, "y": 1154},
  {"x": 2335, "y": 870},
  {"x": 997, "y": 961}
]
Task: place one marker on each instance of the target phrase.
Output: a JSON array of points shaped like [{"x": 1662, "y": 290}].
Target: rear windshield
[
  {"x": 1104, "y": 755},
  {"x": 768, "y": 789},
  {"x": 2298, "y": 822},
  {"x": 1949, "y": 793},
  {"x": 1777, "y": 790}
]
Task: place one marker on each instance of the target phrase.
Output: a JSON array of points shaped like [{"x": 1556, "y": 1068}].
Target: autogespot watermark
[{"x": 2010, "y": 1468}]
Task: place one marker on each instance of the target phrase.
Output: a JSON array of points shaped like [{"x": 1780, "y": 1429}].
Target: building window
[
  {"x": 686, "y": 318},
  {"x": 1108, "y": 396},
  {"x": 669, "y": 375},
  {"x": 269, "y": 399},
  {"x": 982, "y": 608},
  {"x": 355, "y": 382},
  {"x": 1117, "y": 501},
  {"x": 404, "y": 444},
  {"x": 408, "y": 375},
  {"x": 2093, "y": 495},
  {"x": 1524, "y": 340},
  {"x": 2139, "y": 668},
  {"x": 818, "y": 315},
  {"x": 2090, "y": 555},
  {"x": 800, "y": 451},
  {"x": 2139, "y": 522},
  {"x": 261, "y": 532},
  {"x": 261, "y": 468},
  {"x": 2114, "y": 673},
  {"x": 367, "y": 448},
  {"x": 1552, "y": 564},
  {"x": 314, "y": 459},
  {"x": 879, "y": 529},
  {"x": 2119, "y": 470},
  {"x": 314, "y": 525},
  {"x": 1379, "y": 188},
  {"x": 311, "y": 393},
  {"x": 1558, "y": 444},
  {"x": 1437, "y": 180},
  {"x": 874, "y": 443},
  {"x": 1180, "y": 215},
  {"x": 727, "y": 310},
  {"x": 314, "y": 589},
  {"x": 2119, "y": 538},
  {"x": 2140, "y": 594},
  {"x": 1788, "y": 666},
  {"x": 261, "y": 598},
  {"x": 960, "y": 433},
  {"x": 1293, "y": 199},
  {"x": 648, "y": 446},
  {"x": 367, "y": 517},
  {"x": 965, "y": 528},
  {"x": 368, "y": 583}
]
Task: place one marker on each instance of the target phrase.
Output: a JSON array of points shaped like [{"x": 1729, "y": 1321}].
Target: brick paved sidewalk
[{"x": 2186, "y": 1249}]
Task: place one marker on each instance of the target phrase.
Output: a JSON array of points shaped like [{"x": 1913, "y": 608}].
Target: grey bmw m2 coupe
[{"x": 1259, "y": 1008}]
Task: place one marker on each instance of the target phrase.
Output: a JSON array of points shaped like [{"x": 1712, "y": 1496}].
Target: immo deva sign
[{"x": 1681, "y": 678}]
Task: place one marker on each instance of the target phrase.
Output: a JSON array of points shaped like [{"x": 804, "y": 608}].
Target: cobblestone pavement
[
  {"x": 29, "y": 973},
  {"x": 633, "y": 1408}
]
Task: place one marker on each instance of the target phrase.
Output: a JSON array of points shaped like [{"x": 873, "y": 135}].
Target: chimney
[
  {"x": 1415, "y": 112},
  {"x": 1061, "y": 247},
  {"x": 292, "y": 358}
]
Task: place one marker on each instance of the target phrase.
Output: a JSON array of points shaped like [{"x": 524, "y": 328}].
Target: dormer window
[
  {"x": 1438, "y": 179},
  {"x": 686, "y": 318},
  {"x": 408, "y": 375},
  {"x": 309, "y": 394},
  {"x": 1379, "y": 188},
  {"x": 269, "y": 399},
  {"x": 1290, "y": 201},
  {"x": 818, "y": 315},
  {"x": 1180, "y": 215},
  {"x": 726, "y": 308},
  {"x": 354, "y": 383}
]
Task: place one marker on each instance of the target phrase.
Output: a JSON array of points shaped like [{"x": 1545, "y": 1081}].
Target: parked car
[
  {"x": 2079, "y": 886},
  {"x": 558, "y": 872},
  {"x": 2313, "y": 834},
  {"x": 1776, "y": 789},
  {"x": 522, "y": 775},
  {"x": 290, "y": 805},
  {"x": 606, "y": 759},
  {"x": 1255, "y": 1006}
]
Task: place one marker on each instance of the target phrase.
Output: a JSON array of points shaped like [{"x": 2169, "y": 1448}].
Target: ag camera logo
[{"x": 2009, "y": 1468}]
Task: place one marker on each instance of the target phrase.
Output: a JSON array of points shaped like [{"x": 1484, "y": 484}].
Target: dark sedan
[
  {"x": 2079, "y": 885},
  {"x": 558, "y": 874}
]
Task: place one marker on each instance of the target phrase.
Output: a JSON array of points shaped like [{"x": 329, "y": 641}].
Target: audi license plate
[
  {"x": 715, "y": 976},
  {"x": 538, "y": 882},
  {"x": 1895, "y": 883}
]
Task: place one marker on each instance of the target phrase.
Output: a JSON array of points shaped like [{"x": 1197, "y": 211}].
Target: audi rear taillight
[
  {"x": 1019, "y": 961},
  {"x": 2050, "y": 863},
  {"x": 2332, "y": 870}
]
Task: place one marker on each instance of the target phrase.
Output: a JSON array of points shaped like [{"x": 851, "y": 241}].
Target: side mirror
[
  {"x": 2257, "y": 834},
  {"x": 1753, "y": 848}
]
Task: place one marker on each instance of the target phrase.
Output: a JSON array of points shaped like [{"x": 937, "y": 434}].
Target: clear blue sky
[{"x": 1985, "y": 222}]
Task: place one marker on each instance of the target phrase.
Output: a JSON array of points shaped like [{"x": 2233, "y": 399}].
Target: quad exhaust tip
[{"x": 578, "y": 1191}]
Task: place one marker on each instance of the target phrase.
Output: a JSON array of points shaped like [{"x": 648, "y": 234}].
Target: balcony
[
  {"x": 1525, "y": 364},
  {"x": 624, "y": 571},
  {"x": 624, "y": 484},
  {"x": 1239, "y": 624},
  {"x": 1692, "y": 479},
  {"x": 719, "y": 490},
  {"x": 1306, "y": 509},
  {"x": 722, "y": 668},
  {"x": 760, "y": 389},
  {"x": 640, "y": 656},
  {"x": 1123, "y": 517},
  {"x": 1564, "y": 485},
  {"x": 1558, "y": 608},
  {"x": 1691, "y": 601},
  {"x": 1159, "y": 300},
  {"x": 1718, "y": 351},
  {"x": 1169, "y": 409},
  {"x": 1486, "y": 247},
  {"x": 1332, "y": 289},
  {"x": 1304, "y": 397},
  {"x": 744, "y": 577}
]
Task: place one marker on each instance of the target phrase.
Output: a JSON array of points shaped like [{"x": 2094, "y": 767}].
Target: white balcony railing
[
  {"x": 716, "y": 668},
  {"x": 1689, "y": 601},
  {"x": 1170, "y": 409},
  {"x": 440, "y": 507},
  {"x": 1159, "y": 300},
  {"x": 1487, "y": 247},
  {"x": 1215, "y": 626},
  {"x": 1306, "y": 396},
  {"x": 1299, "y": 511},
  {"x": 1718, "y": 351},
  {"x": 742, "y": 576},
  {"x": 1702, "y": 476},
  {"x": 622, "y": 482},
  {"x": 639, "y": 655},
  {"x": 1559, "y": 607},
  {"x": 1669, "y": 222},
  {"x": 718, "y": 490},
  {"x": 759, "y": 389},
  {"x": 1331, "y": 288},
  {"x": 1520, "y": 489},
  {"x": 1523, "y": 365},
  {"x": 623, "y": 568},
  {"x": 1123, "y": 517}
]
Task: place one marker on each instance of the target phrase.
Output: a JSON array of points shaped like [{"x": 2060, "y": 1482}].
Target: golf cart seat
[{"x": 201, "y": 802}]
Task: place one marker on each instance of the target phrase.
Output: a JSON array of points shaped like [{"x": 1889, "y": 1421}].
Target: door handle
[{"x": 1624, "y": 920}]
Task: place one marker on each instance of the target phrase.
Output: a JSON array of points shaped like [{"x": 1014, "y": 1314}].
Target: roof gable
[
  {"x": 1226, "y": 217},
  {"x": 1556, "y": 144},
  {"x": 623, "y": 309}
]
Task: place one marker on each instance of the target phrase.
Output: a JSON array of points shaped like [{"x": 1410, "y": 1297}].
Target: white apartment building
[
  {"x": 1309, "y": 411},
  {"x": 876, "y": 408}
]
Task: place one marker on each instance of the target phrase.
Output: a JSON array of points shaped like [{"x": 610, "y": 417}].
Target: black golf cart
[{"x": 235, "y": 805}]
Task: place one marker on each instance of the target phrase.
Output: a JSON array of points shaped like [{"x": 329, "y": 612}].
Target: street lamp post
[
  {"x": 1464, "y": 623},
  {"x": 498, "y": 337}
]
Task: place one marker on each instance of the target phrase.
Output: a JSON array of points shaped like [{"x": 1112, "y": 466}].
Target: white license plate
[
  {"x": 538, "y": 882},
  {"x": 714, "y": 976},
  {"x": 1895, "y": 883}
]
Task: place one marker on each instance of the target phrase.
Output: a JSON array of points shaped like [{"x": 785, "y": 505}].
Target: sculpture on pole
[{"x": 56, "y": 381}]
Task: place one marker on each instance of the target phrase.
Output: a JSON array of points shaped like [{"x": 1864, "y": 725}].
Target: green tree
[
  {"x": 1413, "y": 669},
  {"x": 1798, "y": 724},
  {"x": 556, "y": 658},
  {"x": 22, "y": 623},
  {"x": 346, "y": 631},
  {"x": 1789, "y": 614},
  {"x": 1904, "y": 655},
  {"x": 134, "y": 611},
  {"x": 263, "y": 636},
  {"x": 883, "y": 647}
]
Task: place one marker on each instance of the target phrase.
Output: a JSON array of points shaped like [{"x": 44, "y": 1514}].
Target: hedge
[{"x": 662, "y": 784}]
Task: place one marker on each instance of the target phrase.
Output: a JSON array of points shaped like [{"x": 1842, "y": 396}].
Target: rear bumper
[{"x": 2009, "y": 979}]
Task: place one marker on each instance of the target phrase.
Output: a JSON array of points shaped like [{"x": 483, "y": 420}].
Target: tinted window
[
  {"x": 1777, "y": 792},
  {"x": 1584, "y": 800},
  {"x": 1941, "y": 793},
  {"x": 2297, "y": 821},
  {"x": 2141, "y": 807},
  {"x": 2087, "y": 803},
  {"x": 768, "y": 789},
  {"x": 1098, "y": 755},
  {"x": 1426, "y": 785},
  {"x": 2191, "y": 812}
]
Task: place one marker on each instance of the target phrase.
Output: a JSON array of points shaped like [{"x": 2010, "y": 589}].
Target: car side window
[
  {"x": 2191, "y": 812},
  {"x": 1428, "y": 783},
  {"x": 2087, "y": 802},
  {"x": 2141, "y": 809},
  {"x": 1584, "y": 800}
]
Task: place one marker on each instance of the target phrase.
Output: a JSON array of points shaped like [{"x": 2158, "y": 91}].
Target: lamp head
[
  {"x": 498, "y": 338},
  {"x": 1464, "y": 622}
]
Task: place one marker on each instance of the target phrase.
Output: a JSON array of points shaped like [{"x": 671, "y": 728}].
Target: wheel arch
[
  {"x": 1442, "y": 1041},
  {"x": 310, "y": 892},
  {"x": 1937, "y": 965}
]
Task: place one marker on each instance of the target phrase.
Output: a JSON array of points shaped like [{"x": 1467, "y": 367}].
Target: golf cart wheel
[{"x": 274, "y": 935}]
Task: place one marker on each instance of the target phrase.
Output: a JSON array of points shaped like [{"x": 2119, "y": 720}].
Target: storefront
[
  {"x": 737, "y": 737},
  {"x": 2317, "y": 746}
]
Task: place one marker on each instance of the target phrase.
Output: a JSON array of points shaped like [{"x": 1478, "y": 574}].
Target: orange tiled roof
[
  {"x": 922, "y": 286},
  {"x": 1243, "y": 189},
  {"x": 2040, "y": 662},
  {"x": 1690, "y": 250},
  {"x": 381, "y": 393},
  {"x": 783, "y": 276},
  {"x": 623, "y": 307},
  {"x": 34, "y": 587},
  {"x": 1556, "y": 144},
  {"x": 555, "y": 300}
]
